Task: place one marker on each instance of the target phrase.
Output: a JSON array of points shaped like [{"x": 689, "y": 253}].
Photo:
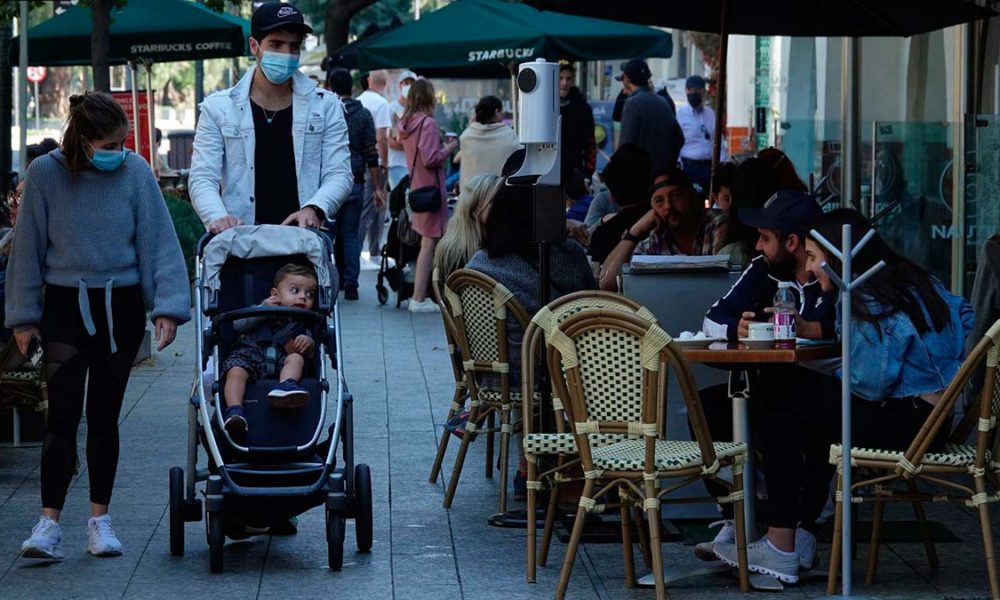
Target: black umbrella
[{"x": 807, "y": 18}]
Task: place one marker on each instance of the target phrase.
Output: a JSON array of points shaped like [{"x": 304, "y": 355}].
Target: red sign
[
  {"x": 125, "y": 100},
  {"x": 36, "y": 74}
]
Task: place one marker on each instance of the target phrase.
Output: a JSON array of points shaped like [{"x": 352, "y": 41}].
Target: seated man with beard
[{"x": 782, "y": 224}]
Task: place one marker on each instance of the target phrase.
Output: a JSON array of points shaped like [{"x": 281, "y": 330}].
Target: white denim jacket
[{"x": 221, "y": 180}]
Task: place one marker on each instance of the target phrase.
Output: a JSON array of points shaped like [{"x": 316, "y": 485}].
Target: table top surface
[{"x": 737, "y": 353}]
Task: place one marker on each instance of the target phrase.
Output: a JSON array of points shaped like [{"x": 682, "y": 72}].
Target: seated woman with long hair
[
  {"x": 508, "y": 256},
  {"x": 463, "y": 237},
  {"x": 908, "y": 342}
]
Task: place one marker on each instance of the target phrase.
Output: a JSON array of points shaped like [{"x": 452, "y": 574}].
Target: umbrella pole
[
  {"x": 850, "y": 71},
  {"x": 22, "y": 91},
  {"x": 513, "y": 97},
  {"x": 135, "y": 109},
  {"x": 720, "y": 104},
  {"x": 149, "y": 110}
]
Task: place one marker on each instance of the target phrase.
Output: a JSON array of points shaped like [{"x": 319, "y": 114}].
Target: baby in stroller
[{"x": 269, "y": 346}]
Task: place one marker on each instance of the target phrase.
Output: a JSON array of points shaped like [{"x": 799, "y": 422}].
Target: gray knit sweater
[{"x": 90, "y": 229}]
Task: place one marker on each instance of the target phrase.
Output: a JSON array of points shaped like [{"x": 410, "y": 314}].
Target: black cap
[
  {"x": 637, "y": 70},
  {"x": 278, "y": 15},
  {"x": 695, "y": 82},
  {"x": 675, "y": 176},
  {"x": 786, "y": 211}
]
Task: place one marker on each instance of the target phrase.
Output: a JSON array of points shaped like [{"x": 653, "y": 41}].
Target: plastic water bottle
[{"x": 784, "y": 316}]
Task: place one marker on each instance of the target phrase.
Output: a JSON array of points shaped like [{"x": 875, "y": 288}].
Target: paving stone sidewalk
[{"x": 397, "y": 367}]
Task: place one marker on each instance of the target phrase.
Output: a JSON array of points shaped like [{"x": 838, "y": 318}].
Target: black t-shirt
[
  {"x": 277, "y": 194},
  {"x": 606, "y": 236}
]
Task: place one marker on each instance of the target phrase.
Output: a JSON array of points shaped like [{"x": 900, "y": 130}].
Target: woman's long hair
[
  {"x": 92, "y": 116},
  {"x": 463, "y": 236},
  {"x": 508, "y": 226},
  {"x": 420, "y": 100},
  {"x": 753, "y": 183},
  {"x": 901, "y": 286}
]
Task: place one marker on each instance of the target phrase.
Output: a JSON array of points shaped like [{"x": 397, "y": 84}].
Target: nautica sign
[{"x": 499, "y": 53}]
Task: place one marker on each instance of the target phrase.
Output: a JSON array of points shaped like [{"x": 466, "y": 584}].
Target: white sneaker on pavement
[
  {"x": 726, "y": 535},
  {"x": 101, "y": 538},
  {"x": 763, "y": 557},
  {"x": 805, "y": 546},
  {"x": 45, "y": 541},
  {"x": 427, "y": 306}
]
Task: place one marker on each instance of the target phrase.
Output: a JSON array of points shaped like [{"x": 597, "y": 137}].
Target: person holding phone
[{"x": 83, "y": 292}]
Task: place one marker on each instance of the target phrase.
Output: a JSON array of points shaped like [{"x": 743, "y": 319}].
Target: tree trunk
[
  {"x": 338, "y": 21},
  {"x": 100, "y": 44}
]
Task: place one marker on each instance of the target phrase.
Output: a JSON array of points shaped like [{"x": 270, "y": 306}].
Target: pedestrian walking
[
  {"x": 273, "y": 149},
  {"x": 364, "y": 161},
  {"x": 486, "y": 142},
  {"x": 697, "y": 121},
  {"x": 426, "y": 156},
  {"x": 397, "y": 155},
  {"x": 82, "y": 293},
  {"x": 647, "y": 119},
  {"x": 373, "y": 86},
  {"x": 579, "y": 148}
]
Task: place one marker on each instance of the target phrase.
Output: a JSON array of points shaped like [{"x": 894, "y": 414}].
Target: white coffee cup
[{"x": 761, "y": 331}]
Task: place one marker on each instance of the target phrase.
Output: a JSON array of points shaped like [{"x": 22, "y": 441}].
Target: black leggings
[
  {"x": 802, "y": 419},
  {"x": 70, "y": 354}
]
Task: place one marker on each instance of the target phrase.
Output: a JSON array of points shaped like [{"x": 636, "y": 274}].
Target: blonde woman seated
[{"x": 463, "y": 236}]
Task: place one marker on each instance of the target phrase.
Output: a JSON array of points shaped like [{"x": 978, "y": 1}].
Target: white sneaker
[
  {"x": 805, "y": 546},
  {"x": 762, "y": 557},
  {"x": 101, "y": 538},
  {"x": 427, "y": 306},
  {"x": 45, "y": 541},
  {"x": 726, "y": 535}
]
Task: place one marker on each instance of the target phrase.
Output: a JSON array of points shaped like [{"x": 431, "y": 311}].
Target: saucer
[
  {"x": 754, "y": 344},
  {"x": 696, "y": 344}
]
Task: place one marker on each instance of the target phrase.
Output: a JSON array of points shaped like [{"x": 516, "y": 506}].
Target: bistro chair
[
  {"x": 461, "y": 390},
  {"x": 559, "y": 444},
  {"x": 22, "y": 386},
  {"x": 479, "y": 308},
  {"x": 612, "y": 368},
  {"x": 956, "y": 461}
]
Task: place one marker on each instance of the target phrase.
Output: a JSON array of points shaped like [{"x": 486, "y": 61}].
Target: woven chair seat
[
  {"x": 26, "y": 376},
  {"x": 671, "y": 455},
  {"x": 564, "y": 444},
  {"x": 494, "y": 396},
  {"x": 953, "y": 455}
]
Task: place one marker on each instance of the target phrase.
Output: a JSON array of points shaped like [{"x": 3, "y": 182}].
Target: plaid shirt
[{"x": 707, "y": 238}]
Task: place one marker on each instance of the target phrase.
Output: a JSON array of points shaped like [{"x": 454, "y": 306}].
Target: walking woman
[
  {"x": 94, "y": 245},
  {"x": 425, "y": 156}
]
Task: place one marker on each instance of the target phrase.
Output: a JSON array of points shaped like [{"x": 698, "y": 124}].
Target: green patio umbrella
[
  {"x": 471, "y": 33},
  {"x": 151, "y": 30},
  {"x": 141, "y": 32}
]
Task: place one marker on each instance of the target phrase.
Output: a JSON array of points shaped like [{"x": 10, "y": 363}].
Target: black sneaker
[
  {"x": 288, "y": 394},
  {"x": 236, "y": 424},
  {"x": 351, "y": 293}
]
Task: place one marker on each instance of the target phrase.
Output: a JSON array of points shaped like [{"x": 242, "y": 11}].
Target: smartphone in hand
[{"x": 35, "y": 352}]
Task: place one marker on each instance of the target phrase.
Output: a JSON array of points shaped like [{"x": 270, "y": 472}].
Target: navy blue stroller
[{"x": 284, "y": 469}]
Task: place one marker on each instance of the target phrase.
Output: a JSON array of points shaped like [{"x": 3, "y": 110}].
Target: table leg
[{"x": 739, "y": 393}]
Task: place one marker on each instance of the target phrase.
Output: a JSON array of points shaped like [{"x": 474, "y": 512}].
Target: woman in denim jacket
[{"x": 908, "y": 342}]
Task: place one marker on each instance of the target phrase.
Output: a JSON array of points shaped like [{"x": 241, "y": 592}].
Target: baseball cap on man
[
  {"x": 786, "y": 210},
  {"x": 637, "y": 70},
  {"x": 278, "y": 15},
  {"x": 670, "y": 176},
  {"x": 407, "y": 74}
]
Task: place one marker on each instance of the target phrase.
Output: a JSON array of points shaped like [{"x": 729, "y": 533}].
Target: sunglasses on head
[{"x": 704, "y": 130}]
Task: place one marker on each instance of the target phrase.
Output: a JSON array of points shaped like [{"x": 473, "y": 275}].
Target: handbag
[{"x": 427, "y": 198}]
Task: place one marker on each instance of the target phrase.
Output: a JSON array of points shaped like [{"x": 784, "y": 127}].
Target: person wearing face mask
[
  {"x": 273, "y": 149},
  {"x": 397, "y": 155},
  {"x": 94, "y": 249},
  {"x": 697, "y": 121}
]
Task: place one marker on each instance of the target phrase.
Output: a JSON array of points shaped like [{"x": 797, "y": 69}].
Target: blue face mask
[
  {"x": 278, "y": 67},
  {"x": 107, "y": 160}
]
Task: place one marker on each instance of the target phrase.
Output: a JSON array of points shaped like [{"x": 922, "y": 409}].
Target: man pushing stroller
[{"x": 269, "y": 346}]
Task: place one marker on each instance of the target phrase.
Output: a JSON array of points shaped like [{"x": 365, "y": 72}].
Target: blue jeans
[
  {"x": 396, "y": 174},
  {"x": 347, "y": 246}
]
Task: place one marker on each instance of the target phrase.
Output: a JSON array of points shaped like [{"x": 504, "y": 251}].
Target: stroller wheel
[
  {"x": 383, "y": 294},
  {"x": 216, "y": 540},
  {"x": 177, "y": 511},
  {"x": 335, "y": 540},
  {"x": 363, "y": 507}
]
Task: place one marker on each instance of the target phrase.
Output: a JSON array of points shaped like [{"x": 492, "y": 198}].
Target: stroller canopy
[{"x": 260, "y": 241}]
